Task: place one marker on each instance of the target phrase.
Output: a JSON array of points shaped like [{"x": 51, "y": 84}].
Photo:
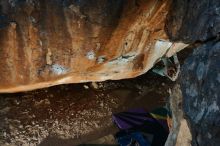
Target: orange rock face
[{"x": 47, "y": 42}]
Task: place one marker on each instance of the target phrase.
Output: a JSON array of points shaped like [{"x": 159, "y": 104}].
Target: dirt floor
[
  {"x": 73, "y": 114},
  {"x": 76, "y": 113}
]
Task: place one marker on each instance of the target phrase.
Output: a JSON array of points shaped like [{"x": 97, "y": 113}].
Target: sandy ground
[{"x": 76, "y": 113}]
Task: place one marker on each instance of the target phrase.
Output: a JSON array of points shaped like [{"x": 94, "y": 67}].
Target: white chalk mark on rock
[
  {"x": 90, "y": 55},
  {"x": 58, "y": 69}
]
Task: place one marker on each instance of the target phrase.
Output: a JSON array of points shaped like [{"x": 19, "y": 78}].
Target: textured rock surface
[
  {"x": 50, "y": 42},
  {"x": 195, "y": 20},
  {"x": 200, "y": 83},
  {"x": 179, "y": 134}
]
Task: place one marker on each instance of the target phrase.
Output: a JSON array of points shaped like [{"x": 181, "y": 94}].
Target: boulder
[{"x": 50, "y": 42}]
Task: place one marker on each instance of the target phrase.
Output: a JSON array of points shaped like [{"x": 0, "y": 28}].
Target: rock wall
[
  {"x": 190, "y": 21},
  {"x": 49, "y": 42},
  {"x": 200, "y": 84},
  {"x": 180, "y": 134}
]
